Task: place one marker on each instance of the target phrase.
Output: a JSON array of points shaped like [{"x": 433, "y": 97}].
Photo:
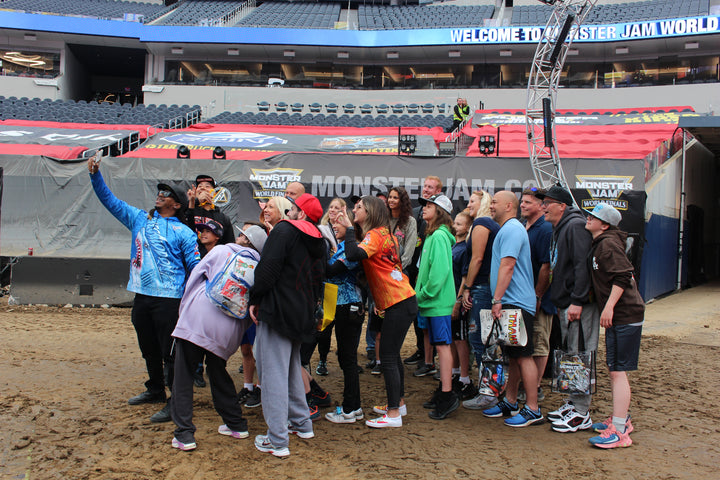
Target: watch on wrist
[{"x": 495, "y": 302}]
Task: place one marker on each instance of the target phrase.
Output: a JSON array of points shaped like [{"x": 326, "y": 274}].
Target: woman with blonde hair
[
  {"x": 275, "y": 210},
  {"x": 475, "y": 288}
]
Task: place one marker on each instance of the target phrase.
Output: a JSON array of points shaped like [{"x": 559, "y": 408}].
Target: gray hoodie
[
  {"x": 200, "y": 321},
  {"x": 569, "y": 251}
]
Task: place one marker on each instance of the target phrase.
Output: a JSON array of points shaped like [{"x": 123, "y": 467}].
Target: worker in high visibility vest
[{"x": 461, "y": 111}]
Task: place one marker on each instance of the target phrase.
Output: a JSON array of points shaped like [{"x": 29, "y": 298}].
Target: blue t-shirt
[
  {"x": 459, "y": 251},
  {"x": 512, "y": 241},
  {"x": 540, "y": 236},
  {"x": 484, "y": 273}
]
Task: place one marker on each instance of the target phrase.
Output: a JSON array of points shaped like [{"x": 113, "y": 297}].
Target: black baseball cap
[
  {"x": 560, "y": 194},
  {"x": 205, "y": 178},
  {"x": 175, "y": 192}
]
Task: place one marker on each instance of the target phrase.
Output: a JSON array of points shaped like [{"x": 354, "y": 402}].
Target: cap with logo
[
  {"x": 606, "y": 213},
  {"x": 205, "y": 178},
  {"x": 212, "y": 225},
  {"x": 440, "y": 200},
  {"x": 560, "y": 194}
]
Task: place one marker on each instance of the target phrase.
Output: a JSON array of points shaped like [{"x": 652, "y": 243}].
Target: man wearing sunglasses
[
  {"x": 570, "y": 293},
  {"x": 164, "y": 251}
]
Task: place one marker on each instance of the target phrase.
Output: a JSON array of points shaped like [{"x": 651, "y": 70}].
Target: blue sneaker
[
  {"x": 611, "y": 438},
  {"x": 502, "y": 409},
  {"x": 525, "y": 417}
]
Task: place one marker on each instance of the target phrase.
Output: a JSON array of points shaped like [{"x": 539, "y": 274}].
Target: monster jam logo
[
  {"x": 273, "y": 181},
  {"x": 604, "y": 189},
  {"x": 225, "y": 139}
]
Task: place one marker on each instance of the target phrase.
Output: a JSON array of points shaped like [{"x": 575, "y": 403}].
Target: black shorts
[
  {"x": 622, "y": 347},
  {"x": 527, "y": 350},
  {"x": 460, "y": 326}
]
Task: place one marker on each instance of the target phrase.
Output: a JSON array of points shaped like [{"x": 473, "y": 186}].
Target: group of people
[{"x": 424, "y": 267}]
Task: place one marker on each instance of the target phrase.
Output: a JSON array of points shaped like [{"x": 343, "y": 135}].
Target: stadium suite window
[{"x": 25, "y": 63}]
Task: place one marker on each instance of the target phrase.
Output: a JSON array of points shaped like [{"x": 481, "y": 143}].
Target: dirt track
[{"x": 67, "y": 374}]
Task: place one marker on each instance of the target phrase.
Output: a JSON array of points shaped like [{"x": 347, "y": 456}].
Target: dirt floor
[{"x": 67, "y": 374}]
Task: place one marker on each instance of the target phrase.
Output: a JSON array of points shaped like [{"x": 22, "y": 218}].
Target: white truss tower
[{"x": 543, "y": 83}]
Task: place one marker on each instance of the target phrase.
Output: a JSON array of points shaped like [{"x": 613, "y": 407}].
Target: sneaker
[
  {"x": 425, "y": 369},
  {"x": 611, "y": 438},
  {"x": 432, "y": 403},
  {"x": 384, "y": 421},
  {"x": 480, "y": 402},
  {"x": 525, "y": 417},
  {"x": 601, "y": 427},
  {"x": 437, "y": 376},
  {"x": 376, "y": 369},
  {"x": 560, "y": 412},
  {"x": 468, "y": 391},
  {"x": 314, "y": 412},
  {"x": 414, "y": 358},
  {"x": 339, "y": 415},
  {"x": 243, "y": 395},
  {"x": 321, "y": 399},
  {"x": 262, "y": 443},
  {"x": 185, "y": 447},
  {"x": 199, "y": 380},
  {"x": 522, "y": 395},
  {"x": 382, "y": 409},
  {"x": 446, "y": 403},
  {"x": 224, "y": 430},
  {"x": 294, "y": 431},
  {"x": 147, "y": 397},
  {"x": 502, "y": 409},
  {"x": 254, "y": 399},
  {"x": 321, "y": 368},
  {"x": 572, "y": 422},
  {"x": 162, "y": 416},
  {"x": 371, "y": 364}
]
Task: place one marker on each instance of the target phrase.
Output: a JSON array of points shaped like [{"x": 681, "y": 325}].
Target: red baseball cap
[{"x": 310, "y": 205}]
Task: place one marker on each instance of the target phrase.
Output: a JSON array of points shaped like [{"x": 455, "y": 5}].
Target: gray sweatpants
[
  {"x": 590, "y": 319},
  {"x": 283, "y": 391}
]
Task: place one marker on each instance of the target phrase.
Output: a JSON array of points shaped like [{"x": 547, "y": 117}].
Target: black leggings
[
  {"x": 348, "y": 327},
  {"x": 395, "y": 325}
]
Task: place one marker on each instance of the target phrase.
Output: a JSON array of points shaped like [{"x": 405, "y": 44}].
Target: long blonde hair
[
  {"x": 325, "y": 220},
  {"x": 485, "y": 201}
]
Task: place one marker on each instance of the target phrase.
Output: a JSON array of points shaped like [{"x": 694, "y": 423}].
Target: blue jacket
[{"x": 163, "y": 250}]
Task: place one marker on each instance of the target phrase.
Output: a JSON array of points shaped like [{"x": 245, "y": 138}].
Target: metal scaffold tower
[{"x": 547, "y": 67}]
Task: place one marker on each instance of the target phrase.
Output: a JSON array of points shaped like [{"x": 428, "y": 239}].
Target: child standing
[{"x": 622, "y": 317}]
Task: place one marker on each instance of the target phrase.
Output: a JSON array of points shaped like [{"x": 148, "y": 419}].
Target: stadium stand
[
  {"x": 617, "y": 12},
  {"x": 293, "y": 15},
  {"x": 199, "y": 12},
  {"x": 69, "y": 111},
  {"x": 332, "y": 120},
  {"x": 381, "y": 17},
  {"x": 87, "y": 8}
]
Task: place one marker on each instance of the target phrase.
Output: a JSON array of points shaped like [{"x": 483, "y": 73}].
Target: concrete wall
[{"x": 702, "y": 97}]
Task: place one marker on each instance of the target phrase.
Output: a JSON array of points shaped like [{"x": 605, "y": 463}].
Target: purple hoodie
[{"x": 200, "y": 321}]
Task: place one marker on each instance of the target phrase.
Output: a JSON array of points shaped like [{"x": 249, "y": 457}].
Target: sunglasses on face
[{"x": 164, "y": 193}]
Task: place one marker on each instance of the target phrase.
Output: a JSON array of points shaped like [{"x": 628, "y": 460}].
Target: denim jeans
[{"x": 481, "y": 300}]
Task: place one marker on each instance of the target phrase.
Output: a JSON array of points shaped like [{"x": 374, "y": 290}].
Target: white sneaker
[
  {"x": 224, "y": 430},
  {"x": 572, "y": 422},
  {"x": 382, "y": 409},
  {"x": 185, "y": 447},
  {"x": 480, "y": 402},
  {"x": 294, "y": 431},
  {"x": 560, "y": 412},
  {"x": 262, "y": 443},
  {"x": 339, "y": 415},
  {"x": 384, "y": 421}
]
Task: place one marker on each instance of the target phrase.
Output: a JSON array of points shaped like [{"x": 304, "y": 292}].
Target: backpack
[{"x": 229, "y": 290}]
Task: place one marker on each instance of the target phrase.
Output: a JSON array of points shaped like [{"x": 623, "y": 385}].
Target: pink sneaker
[
  {"x": 185, "y": 447},
  {"x": 611, "y": 438},
  {"x": 224, "y": 430},
  {"x": 602, "y": 426}
]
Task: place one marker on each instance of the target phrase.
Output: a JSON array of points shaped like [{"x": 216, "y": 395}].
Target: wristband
[
  {"x": 468, "y": 287},
  {"x": 495, "y": 302}
]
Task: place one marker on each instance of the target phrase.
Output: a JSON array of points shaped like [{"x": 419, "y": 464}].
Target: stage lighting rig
[
  {"x": 486, "y": 144},
  {"x": 407, "y": 144},
  {"x": 219, "y": 154},
  {"x": 183, "y": 152}
]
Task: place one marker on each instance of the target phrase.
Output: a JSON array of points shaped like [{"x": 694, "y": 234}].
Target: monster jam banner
[
  {"x": 256, "y": 142},
  {"x": 584, "y": 119},
  {"x": 50, "y": 205}
]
